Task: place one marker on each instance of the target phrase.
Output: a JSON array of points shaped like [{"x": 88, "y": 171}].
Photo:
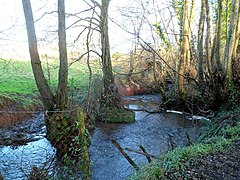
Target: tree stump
[{"x": 67, "y": 133}]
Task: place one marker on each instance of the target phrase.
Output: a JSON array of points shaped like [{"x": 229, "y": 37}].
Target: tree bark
[
  {"x": 218, "y": 37},
  {"x": 184, "y": 48},
  {"x": 208, "y": 39},
  {"x": 231, "y": 39},
  {"x": 43, "y": 87},
  {"x": 62, "y": 93},
  {"x": 200, "y": 42},
  {"x": 110, "y": 91},
  {"x": 236, "y": 45}
]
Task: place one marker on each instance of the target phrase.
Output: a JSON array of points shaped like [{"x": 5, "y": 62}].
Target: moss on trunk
[
  {"x": 117, "y": 115},
  {"x": 67, "y": 133}
]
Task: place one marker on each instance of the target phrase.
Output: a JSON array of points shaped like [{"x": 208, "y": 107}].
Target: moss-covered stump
[
  {"x": 117, "y": 115},
  {"x": 65, "y": 132}
]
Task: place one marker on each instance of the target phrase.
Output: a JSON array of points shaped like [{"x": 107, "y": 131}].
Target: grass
[
  {"x": 17, "y": 78},
  {"x": 179, "y": 158},
  {"x": 18, "y": 84}
]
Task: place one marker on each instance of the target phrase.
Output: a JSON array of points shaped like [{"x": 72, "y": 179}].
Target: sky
[{"x": 13, "y": 36}]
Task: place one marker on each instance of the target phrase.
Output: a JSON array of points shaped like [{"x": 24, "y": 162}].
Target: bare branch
[
  {"x": 46, "y": 13},
  {"x": 78, "y": 59}
]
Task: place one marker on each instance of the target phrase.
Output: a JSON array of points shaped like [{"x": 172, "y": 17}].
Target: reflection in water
[{"x": 149, "y": 130}]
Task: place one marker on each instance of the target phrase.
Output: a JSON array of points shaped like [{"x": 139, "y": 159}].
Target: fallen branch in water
[
  {"x": 144, "y": 150},
  {"x": 171, "y": 143},
  {"x": 125, "y": 154},
  {"x": 189, "y": 140},
  {"x": 148, "y": 156}
]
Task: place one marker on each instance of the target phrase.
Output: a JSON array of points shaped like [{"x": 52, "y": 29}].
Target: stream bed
[{"x": 151, "y": 130}]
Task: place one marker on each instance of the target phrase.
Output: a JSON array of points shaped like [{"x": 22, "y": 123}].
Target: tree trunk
[
  {"x": 231, "y": 39},
  {"x": 191, "y": 51},
  {"x": 62, "y": 94},
  {"x": 218, "y": 38},
  {"x": 208, "y": 39},
  {"x": 184, "y": 48},
  {"x": 43, "y": 87},
  {"x": 236, "y": 45},
  {"x": 200, "y": 43},
  {"x": 110, "y": 92}
]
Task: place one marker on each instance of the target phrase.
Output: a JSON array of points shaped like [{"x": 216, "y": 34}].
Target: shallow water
[{"x": 150, "y": 130}]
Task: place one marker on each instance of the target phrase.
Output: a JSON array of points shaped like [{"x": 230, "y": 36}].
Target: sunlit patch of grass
[{"x": 17, "y": 78}]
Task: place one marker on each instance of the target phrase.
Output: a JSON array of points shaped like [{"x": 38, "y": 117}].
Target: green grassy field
[{"x": 17, "y": 79}]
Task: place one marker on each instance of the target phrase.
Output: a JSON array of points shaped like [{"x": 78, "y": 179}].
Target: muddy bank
[{"x": 12, "y": 110}]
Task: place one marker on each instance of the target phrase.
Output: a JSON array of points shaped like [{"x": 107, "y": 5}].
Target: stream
[{"x": 151, "y": 130}]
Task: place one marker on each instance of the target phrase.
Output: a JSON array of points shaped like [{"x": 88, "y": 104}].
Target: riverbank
[
  {"x": 25, "y": 145},
  {"x": 214, "y": 156},
  {"x": 16, "y": 108}
]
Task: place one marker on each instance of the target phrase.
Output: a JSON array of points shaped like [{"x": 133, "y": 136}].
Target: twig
[
  {"x": 144, "y": 150},
  {"x": 148, "y": 156},
  {"x": 125, "y": 154}
]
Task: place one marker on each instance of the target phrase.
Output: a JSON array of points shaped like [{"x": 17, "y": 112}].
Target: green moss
[{"x": 118, "y": 115}]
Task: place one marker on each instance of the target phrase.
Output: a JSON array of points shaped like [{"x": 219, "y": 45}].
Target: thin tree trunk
[
  {"x": 191, "y": 51},
  {"x": 227, "y": 2},
  {"x": 231, "y": 39},
  {"x": 62, "y": 94},
  {"x": 90, "y": 71},
  {"x": 184, "y": 49},
  {"x": 110, "y": 91},
  {"x": 237, "y": 35},
  {"x": 43, "y": 87},
  {"x": 208, "y": 40},
  {"x": 219, "y": 34},
  {"x": 212, "y": 57},
  {"x": 200, "y": 42}
]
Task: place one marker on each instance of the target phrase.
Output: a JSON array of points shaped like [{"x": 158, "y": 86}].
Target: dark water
[{"x": 150, "y": 130}]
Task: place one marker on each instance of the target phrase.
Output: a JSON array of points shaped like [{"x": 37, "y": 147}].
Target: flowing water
[{"x": 151, "y": 130}]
